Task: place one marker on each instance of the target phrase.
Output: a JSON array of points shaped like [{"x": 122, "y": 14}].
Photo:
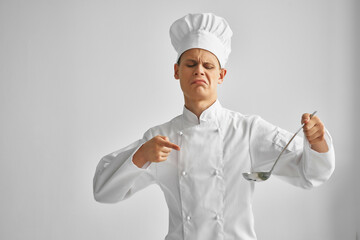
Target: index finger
[{"x": 171, "y": 145}]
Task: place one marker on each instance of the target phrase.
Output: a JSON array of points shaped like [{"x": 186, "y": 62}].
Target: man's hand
[
  {"x": 156, "y": 149},
  {"x": 314, "y": 131}
]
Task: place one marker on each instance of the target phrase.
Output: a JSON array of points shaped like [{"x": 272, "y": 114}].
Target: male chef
[{"x": 198, "y": 157}]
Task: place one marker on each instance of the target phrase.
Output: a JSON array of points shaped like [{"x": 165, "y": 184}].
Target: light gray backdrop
[{"x": 80, "y": 79}]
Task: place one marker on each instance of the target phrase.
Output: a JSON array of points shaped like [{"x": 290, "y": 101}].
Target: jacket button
[
  {"x": 188, "y": 218},
  {"x": 217, "y": 172},
  {"x": 183, "y": 173},
  {"x": 181, "y": 133}
]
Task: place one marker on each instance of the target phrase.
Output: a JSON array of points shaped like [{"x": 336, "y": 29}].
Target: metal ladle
[{"x": 263, "y": 176}]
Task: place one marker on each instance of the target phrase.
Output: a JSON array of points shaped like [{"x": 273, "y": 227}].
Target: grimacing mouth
[{"x": 195, "y": 81}]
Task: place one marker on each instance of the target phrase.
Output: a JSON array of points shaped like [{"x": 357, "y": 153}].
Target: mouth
[{"x": 199, "y": 81}]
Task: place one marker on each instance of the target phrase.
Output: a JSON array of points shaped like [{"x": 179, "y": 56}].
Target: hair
[{"x": 178, "y": 61}]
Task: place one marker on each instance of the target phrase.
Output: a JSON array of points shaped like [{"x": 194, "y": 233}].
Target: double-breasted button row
[
  {"x": 216, "y": 173},
  {"x": 217, "y": 217}
]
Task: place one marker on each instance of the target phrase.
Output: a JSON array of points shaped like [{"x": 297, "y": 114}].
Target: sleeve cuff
[
  {"x": 319, "y": 166},
  {"x": 132, "y": 164}
]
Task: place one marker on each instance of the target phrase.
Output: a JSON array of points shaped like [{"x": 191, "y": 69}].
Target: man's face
[{"x": 199, "y": 73}]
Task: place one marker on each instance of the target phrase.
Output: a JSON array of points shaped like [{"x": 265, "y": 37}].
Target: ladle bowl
[{"x": 256, "y": 176}]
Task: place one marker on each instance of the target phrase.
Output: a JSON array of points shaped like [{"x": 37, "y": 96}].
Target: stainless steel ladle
[{"x": 263, "y": 176}]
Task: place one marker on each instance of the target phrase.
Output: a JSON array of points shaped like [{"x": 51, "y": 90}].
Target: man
[{"x": 197, "y": 158}]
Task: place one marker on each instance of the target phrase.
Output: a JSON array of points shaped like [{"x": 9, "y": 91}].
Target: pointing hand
[{"x": 156, "y": 149}]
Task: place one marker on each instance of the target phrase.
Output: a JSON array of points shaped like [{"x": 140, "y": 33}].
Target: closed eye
[
  {"x": 191, "y": 63},
  {"x": 208, "y": 66}
]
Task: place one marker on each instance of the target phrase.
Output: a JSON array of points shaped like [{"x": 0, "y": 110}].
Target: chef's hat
[{"x": 202, "y": 30}]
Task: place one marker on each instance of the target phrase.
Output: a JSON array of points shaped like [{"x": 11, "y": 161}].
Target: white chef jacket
[{"x": 207, "y": 196}]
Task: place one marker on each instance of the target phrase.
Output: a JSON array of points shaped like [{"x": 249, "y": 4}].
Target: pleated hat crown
[{"x": 202, "y": 30}]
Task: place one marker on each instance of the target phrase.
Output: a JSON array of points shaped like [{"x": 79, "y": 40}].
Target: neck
[{"x": 198, "y": 106}]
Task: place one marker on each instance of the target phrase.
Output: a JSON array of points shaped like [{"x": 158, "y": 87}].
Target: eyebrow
[{"x": 195, "y": 61}]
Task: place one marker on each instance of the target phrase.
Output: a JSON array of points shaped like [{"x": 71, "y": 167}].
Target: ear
[
  {"x": 223, "y": 72},
  {"x": 176, "y": 71}
]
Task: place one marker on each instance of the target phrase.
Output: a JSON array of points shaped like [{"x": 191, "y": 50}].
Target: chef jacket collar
[{"x": 209, "y": 114}]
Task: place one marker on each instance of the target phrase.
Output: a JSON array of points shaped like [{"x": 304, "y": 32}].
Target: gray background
[{"x": 80, "y": 79}]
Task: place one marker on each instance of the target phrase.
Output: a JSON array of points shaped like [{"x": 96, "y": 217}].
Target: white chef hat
[{"x": 202, "y": 30}]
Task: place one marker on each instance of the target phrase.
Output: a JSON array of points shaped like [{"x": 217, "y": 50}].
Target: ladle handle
[{"x": 290, "y": 142}]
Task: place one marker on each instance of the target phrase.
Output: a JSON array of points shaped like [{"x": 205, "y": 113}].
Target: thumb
[{"x": 305, "y": 118}]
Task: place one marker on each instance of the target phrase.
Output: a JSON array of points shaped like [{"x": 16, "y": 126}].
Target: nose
[{"x": 199, "y": 70}]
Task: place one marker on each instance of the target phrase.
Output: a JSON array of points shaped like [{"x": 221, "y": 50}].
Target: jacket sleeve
[
  {"x": 117, "y": 177},
  {"x": 299, "y": 165}
]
